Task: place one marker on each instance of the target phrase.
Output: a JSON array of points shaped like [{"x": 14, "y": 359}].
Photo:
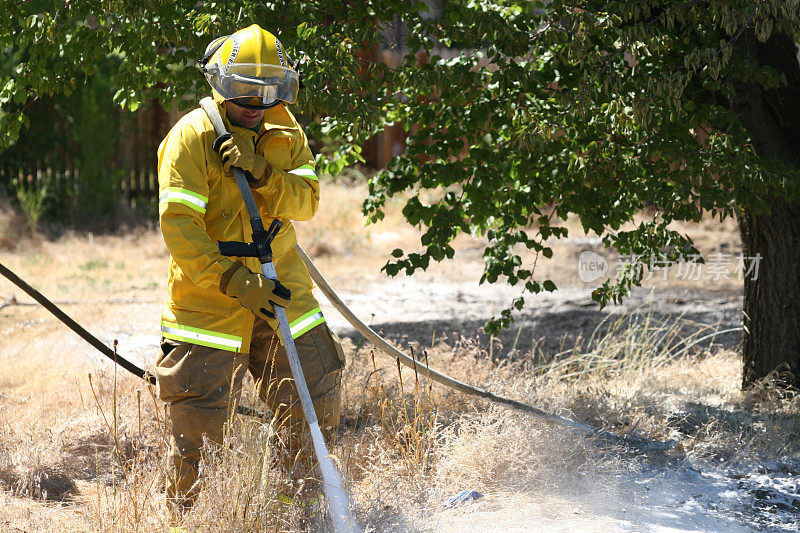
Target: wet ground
[{"x": 679, "y": 499}]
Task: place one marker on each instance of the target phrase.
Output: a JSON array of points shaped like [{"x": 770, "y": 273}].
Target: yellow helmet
[{"x": 251, "y": 68}]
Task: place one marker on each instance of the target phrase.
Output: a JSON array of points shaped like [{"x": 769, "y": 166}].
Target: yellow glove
[
  {"x": 254, "y": 291},
  {"x": 235, "y": 151}
]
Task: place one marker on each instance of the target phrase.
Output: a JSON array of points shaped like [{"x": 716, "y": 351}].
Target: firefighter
[{"x": 217, "y": 322}]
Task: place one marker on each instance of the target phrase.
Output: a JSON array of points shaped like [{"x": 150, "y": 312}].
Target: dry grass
[
  {"x": 73, "y": 460},
  {"x": 405, "y": 448}
]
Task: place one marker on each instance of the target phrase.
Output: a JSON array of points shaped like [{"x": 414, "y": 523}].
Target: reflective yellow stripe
[
  {"x": 198, "y": 202},
  {"x": 203, "y": 337},
  {"x": 307, "y": 171},
  {"x": 306, "y": 322}
]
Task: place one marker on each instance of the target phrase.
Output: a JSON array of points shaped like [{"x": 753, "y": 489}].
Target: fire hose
[
  {"x": 391, "y": 350},
  {"x": 340, "y": 512},
  {"x": 386, "y": 347},
  {"x": 91, "y": 339}
]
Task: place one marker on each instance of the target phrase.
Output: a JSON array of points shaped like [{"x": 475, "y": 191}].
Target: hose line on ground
[
  {"x": 91, "y": 339},
  {"x": 385, "y": 346},
  {"x": 447, "y": 381}
]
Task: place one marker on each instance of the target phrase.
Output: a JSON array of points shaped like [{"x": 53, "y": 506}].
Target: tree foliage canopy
[{"x": 549, "y": 109}]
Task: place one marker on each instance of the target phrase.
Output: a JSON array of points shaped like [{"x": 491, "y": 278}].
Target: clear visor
[{"x": 268, "y": 83}]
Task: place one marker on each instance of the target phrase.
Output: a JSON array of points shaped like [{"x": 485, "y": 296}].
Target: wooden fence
[
  {"x": 140, "y": 188},
  {"x": 136, "y": 188}
]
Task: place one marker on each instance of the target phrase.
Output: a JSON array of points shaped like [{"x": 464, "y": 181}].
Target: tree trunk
[{"x": 771, "y": 346}]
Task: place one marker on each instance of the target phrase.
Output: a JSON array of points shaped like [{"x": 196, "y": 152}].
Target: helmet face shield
[
  {"x": 255, "y": 83},
  {"x": 253, "y": 103}
]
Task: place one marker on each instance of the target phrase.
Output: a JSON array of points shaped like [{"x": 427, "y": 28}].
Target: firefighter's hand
[
  {"x": 254, "y": 291},
  {"x": 236, "y": 151}
]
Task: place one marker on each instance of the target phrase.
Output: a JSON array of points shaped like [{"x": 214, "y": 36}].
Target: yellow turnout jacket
[{"x": 199, "y": 205}]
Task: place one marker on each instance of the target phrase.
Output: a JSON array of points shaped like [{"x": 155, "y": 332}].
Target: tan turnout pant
[{"x": 202, "y": 386}]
